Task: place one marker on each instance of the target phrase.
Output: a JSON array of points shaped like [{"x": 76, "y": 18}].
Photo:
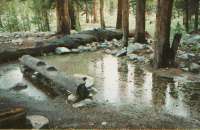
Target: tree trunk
[
  {"x": 94, "y": 11},
  {"x": 119, "y": 15},
  {"x": 87, "y": 12},
  {"x": 72, "y": 14},
  {"x": 77, "y": 11},
  {"x": 186, "y": 16},
  {"x": 196, "y": 16},
  {"x": 140, "y": 21},
  {"x": 162, "y": 35},
  {"x": 125, "y": 21},
  {"x": 1, "y": 24},
  {"x": 63, "y": 19},
  {"x": 103, "y": 26}
]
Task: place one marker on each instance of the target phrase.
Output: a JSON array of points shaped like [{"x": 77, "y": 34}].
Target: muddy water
[
  {"x": 129, "y": 89},
  {"x": 121, "y": 83}
]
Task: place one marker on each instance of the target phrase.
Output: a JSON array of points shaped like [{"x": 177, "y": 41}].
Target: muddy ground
[{"x": 129, "y": 96}]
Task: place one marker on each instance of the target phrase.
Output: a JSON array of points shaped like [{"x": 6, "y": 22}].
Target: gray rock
[
  {"x": 75, "y": 50},
  {"x": 19, "y": 86},
  {"x": 136, "y": 58},
  {"x": 121, "y": 53},
  {"x": 195, "y": 68},
  {"x": 104, "y": 45},
  {"x": 186, "y": 56},
  {"x": 72, "y": 98},
  {"x": 135, "y": 47},
  {"x": 84, "y": 48},
  {"x": 84, "y": 103},
  {"x": 62, "y": 50},
  {"x": 191, "y": 39},
  {"x": 38, "y": 121}
]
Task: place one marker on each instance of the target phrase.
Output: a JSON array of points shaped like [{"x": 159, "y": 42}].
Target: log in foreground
[
  {"x": 12, "y": 118},
  {"x": 69, "y": 41},
  {"x": 60, "y": 82}
]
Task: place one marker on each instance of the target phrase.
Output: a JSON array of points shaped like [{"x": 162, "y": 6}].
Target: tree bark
[
  {"x": 196, "y": 23},
  {"x": 186, "y": 15},
  {"x": 72, "y": 14},
  {"x": 87, "y": 12},
  {"x": 119, "y": 15},
  {"x": 94, "y": 11},
  {"x": 162, "y": 35},
  {"x": 103, "y": 26},
  {"x": 125, "y": 21},
  {"x": 63, "y": 19},
  {"x": 140, "y": 21}
]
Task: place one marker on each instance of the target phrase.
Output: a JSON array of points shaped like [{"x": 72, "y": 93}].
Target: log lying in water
[
  {"x": 13, "y": 118},
  {"x": 69, "y": 41},
  {"x": 59, "y": 81}
]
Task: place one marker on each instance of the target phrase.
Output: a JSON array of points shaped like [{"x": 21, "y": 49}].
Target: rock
[
  {"x": 134, "y": 57},
  {"x": 84, "y": 103},
  {"x": 104, "y": 45},
  {"x": 62, "y": 50},
  {"x": 17, "y": 42},
  {"x": 38, "y": 121},
  {"x": 108, "y": 51},
  {"x": 195, "y": 68},
  {"x": 185, "y": 56},
  {"x": 84, "y": 48},
  {"x": 19, "y": 86},
  {"x": 75, "y": 50},
  {"x": 72, "y": 98},
  {"x": 104, "y": 123},
  {"x": 135, "y": 47},
  {"x": 121, "y": 53},
  {"x": 193, "y": 39}
]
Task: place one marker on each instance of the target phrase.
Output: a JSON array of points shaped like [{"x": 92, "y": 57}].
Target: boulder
[
  {"x": 84, "y": 48},
  {"x": 136, "y": 58},
  {"x": 72, "y": 98},
  {"x": 121, "y": 53},
  {"x": 104, "y": 45},
  {"x": 38, "y": 121},
  {"x": 62, "y": 50},
  {"x": 186, "y": 56},
  {"x": 135, "y": 47},
  {"x": 195, "y": 68}
]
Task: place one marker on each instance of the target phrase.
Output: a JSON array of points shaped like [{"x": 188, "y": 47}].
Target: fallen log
[
  {"x": 59, "y": 81},
  {"x": 12, "y": 118},
  {"x": 69, "y": 41}
]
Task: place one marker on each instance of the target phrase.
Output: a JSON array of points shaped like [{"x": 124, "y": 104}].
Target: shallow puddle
[{"x": 120, "y": 84}]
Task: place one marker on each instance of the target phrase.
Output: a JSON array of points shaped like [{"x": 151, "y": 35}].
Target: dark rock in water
[
  {"x": 121, "y": 52},
  {"x": 38, "y": 122},
  {"x": 195, "y": 68},
  {"x": 19, "y": 86}
]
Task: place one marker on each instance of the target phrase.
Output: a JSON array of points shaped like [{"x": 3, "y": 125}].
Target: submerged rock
[
  {"x": 62, "y": 50},
  {"x": 84, "y": 103},
  {"x": 38, "y": 121},
  {"x": 19, "y": 86}
]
